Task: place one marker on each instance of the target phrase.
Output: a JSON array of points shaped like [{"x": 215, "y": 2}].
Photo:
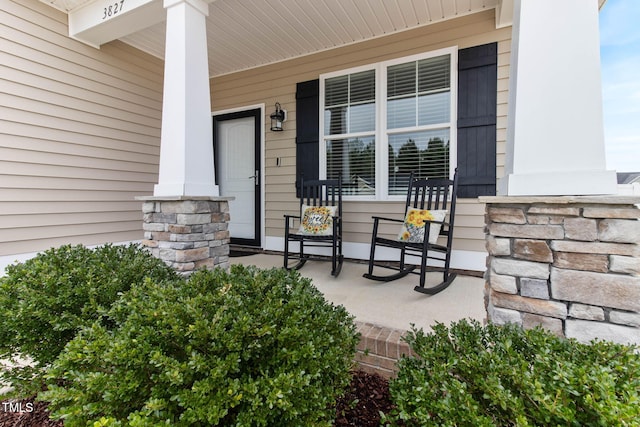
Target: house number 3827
[{"x": 112, "y": 9}]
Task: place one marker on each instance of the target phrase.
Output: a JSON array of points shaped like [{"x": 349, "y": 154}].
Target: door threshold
[{"x": 240, "y": 250}]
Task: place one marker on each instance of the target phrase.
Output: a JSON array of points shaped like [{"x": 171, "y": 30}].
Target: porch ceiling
[{"x": 245, "y": 34}]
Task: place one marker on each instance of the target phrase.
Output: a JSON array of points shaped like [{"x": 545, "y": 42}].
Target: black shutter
[
  {"x": 307, "y": 130},
  {"x": 477, "y": 100}
]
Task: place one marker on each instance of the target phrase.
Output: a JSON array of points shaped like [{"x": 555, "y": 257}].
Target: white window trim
[{"x": 381, "y": 132}]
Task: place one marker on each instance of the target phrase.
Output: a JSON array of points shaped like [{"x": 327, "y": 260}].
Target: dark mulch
[
  {"x": 361, "y": 406},
  {"x": 25, "y": 413},
  {"x": 366, "y": 398}
]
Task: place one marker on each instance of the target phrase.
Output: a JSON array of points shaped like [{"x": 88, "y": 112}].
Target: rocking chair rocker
[
  {"x": 424, "y": 221},
  {"x": 320, "y": 223}
]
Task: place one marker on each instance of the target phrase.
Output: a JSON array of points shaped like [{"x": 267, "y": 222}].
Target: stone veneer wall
[
  {"x": 188, "y": 233},
  {"x": 569, "y": 264}
]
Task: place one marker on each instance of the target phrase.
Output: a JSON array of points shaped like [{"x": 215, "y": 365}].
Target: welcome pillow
[
  {"x": 317, "y": 220},
  {"x": 413, "y": 228}
]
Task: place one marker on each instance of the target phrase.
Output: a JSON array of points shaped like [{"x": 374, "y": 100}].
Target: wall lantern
[{"x": 277, "y": 118}]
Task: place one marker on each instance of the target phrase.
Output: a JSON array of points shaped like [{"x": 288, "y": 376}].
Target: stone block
[
  {"x": 551, "y": 324},
  {"x": 161, "y": 236},
  {"x": 534, "y": 288},
  {"x": 219, "y": 250},
  {"x": 150, "y": 243},
  {"x": 212, "y": 227},
  {"x": 538, "y": 219},
  {"x": 187, "y": 206},
  {"x": 160, "y": 218},
  {"x": 619, "y": 230},
  {"x": 507, "y": 215},
  {"x": 179, "y": 229},
  {"x": 176, "y": 245},
  {"x": 208, "y": 263},
  {"x": 148, "y": 207},
  {"x": 183, "y": 267},
  {"x": 554, "y": 210},
  {"x": 586, "y": 331},
  {"x": 579, "y": 261},
  {"x": 606, "y": 290},
  {"x": 498, "y": 247},
  {"x": 595, "y": 248},
  {"x": 532, "y": 250},
  {"x": 190, "y": 255},
  {"x": 502, "y": 316},
  {"x": 625, "y": 318},
  {"x": 530, "y": 305},
  {"x": 581, "y": 229},
  {"x": 193, "y": 237},
  {"x": 586, "y": 312},
  {"x": 167, "y": 254},
  {"x": 189, "y": 219},
  {"x": 519, "y": 268},
  {"x": 504, "y": 284},
  {"x": 221, "y": 235},
  {"x": 220, "y": 217},
  {"x": 624, "y": 264},
  {"x": 545, "y": 219},
  {"x": 609, "y": 212},
  {"x": 527, "y": 231}
]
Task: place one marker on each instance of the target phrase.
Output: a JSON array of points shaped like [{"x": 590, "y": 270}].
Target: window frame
[{"x": 381, "y": 132}]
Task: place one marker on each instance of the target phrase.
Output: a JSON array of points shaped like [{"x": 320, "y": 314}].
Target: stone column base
[
  {"x": 568, "y": 264},
  {"x": 187, "y": 232}
]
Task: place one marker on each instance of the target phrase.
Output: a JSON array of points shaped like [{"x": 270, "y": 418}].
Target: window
[
  {"x": 382, "y": 122},
  {"x": 349, "y": 130}
]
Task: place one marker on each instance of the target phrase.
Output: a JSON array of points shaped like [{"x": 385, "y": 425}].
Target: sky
[{"x": 620, "y": 58}]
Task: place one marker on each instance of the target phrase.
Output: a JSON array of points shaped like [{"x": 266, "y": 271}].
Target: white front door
[{"x": 236, "y": 142}]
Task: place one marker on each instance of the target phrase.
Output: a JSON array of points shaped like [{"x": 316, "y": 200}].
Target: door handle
[{"x": 256, "y": 177}]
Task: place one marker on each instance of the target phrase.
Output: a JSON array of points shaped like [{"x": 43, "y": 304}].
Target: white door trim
[{"x": 262, "y": 108}]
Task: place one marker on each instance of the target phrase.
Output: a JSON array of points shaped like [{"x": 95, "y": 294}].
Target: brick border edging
[{"x": 380, "y": 348}]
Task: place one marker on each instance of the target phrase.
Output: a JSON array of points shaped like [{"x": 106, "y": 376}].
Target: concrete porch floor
[{"x": 389, "y": 304}]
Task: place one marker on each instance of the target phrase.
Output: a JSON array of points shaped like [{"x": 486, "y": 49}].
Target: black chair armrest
[
  {"x": 287, "y": 221},
  {"x": 377, "y": 218}
]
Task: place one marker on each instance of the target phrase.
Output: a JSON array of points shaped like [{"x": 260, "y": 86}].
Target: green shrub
[
  {"x": 247, "y": 347},
  {"x": 47, "y": 299},
  {"x": 471, "y": 375}
]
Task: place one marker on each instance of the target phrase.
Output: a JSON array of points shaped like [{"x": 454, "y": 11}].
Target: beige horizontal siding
[
  {"x": 79, "y": 133},
  {"x": 278, "y": 83},
  {"x": 80, "y": 128}
]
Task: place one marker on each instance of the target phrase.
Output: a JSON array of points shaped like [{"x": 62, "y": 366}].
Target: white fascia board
[
  {"x": 102, "y": 21},
  {"x": 504, "y": 13}
]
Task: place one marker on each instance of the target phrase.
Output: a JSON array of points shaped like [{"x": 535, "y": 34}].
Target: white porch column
[
  {"x": 555, "y": 136},
  {"x": 186, "y": 152}
]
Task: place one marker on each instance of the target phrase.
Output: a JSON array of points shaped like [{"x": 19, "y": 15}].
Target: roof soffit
[{"x": 244, "y": 34}]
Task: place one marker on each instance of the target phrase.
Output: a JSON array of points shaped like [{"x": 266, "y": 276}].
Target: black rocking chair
[
  {"x": 432, "y": 194},
  {"x": 320, "y": 223}
]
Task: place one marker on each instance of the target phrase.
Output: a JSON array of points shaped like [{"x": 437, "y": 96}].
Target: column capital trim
[{"x": 201, "y": 5}]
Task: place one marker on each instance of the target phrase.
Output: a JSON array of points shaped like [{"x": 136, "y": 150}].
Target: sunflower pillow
[
  {"x": 317, "y": 220},
  {"x": 413, "y": 228}
]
